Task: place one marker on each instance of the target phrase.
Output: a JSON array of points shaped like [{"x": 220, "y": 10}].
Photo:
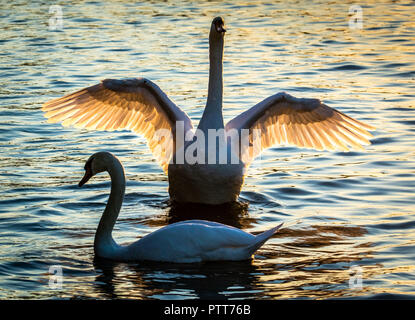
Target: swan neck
[
  {"x": 215, "y": 90},
  {"x": 103, "y": 237},
  {"x": 212, "y": 117}
]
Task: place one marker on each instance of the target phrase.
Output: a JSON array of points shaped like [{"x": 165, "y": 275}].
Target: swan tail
[{"x": 261, "y": 238}]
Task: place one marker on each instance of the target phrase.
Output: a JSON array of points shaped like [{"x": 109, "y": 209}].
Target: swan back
[{"x": 196, "y": 241}]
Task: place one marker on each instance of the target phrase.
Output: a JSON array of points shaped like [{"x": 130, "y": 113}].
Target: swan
[
  {"x": 182, "y": 242},
  {"x": 139, "y": 105}
]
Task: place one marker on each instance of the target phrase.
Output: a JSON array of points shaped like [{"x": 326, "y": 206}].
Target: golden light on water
[{"x": 340, "y": 209}]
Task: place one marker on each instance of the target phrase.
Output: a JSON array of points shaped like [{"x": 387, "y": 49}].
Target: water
[{"x": 340, "y": 209}]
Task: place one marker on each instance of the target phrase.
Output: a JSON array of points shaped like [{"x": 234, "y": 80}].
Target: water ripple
[{"x": 339, "y": 209}]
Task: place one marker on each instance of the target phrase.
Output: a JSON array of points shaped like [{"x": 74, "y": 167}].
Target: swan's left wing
[
  {"x": 134, "y": 104},
  {"x": 308, "y": 123}
]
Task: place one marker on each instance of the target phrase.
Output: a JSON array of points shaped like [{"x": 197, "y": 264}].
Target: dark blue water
[{"x": 340, "y": 209}]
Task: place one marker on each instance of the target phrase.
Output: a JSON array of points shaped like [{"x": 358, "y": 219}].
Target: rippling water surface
[{"x": 340, "y": 209}]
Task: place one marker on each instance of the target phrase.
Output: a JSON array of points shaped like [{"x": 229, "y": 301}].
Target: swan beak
[{"x": 87, "y": 176}]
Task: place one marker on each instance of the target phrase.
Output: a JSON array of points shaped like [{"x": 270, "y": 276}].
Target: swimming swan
[
  {"x": 141, "y": 106},
  {"x": 184, "y": 242}
]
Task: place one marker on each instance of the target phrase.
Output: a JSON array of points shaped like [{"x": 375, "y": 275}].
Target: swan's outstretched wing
[
  {"x": 308, "y": 123},
  {"x": 131, "y": 104}
]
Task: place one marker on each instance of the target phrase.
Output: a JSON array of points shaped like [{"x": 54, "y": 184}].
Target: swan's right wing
[
  {"x": 134, "y": 104},
  {"x": 308, "y": 123}
]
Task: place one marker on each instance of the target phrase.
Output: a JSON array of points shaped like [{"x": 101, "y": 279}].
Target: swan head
[
  {"x": 98, "y": 162},
  {"x": 218, "y": 27}
]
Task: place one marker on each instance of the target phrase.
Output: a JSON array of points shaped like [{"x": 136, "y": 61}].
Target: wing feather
[
  {"x": 131, "y": 104},
  {"x": 307, "y": 123}
]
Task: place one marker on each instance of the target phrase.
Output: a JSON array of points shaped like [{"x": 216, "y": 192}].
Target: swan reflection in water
[
  {"x": 234, "y": 214},
  {"x": 154, "y": 280}
]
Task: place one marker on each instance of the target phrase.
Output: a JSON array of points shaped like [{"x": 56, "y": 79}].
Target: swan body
[
  {"x": 221, "y": 183},
  {"x": 140, "y": 105},
  {"x": 182, "y": 242}
]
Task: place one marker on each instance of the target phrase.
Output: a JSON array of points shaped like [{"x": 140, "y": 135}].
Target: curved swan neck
[
  {"x": 103, "y": 236},
  {"x": 212, "y": 116}
]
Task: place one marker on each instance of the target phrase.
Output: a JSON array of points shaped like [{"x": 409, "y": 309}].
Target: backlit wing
[
  {"x": 134, "y": 104},
  {"x": 308, "y": 123}
]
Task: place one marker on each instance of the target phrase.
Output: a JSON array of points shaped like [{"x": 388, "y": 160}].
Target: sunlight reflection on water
[{"x": 340, "y": 209}]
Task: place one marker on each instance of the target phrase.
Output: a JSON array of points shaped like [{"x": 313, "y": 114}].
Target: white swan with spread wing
[
  {"x": 184, "y": 242},
  {"x": 141, "y": 106}
]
